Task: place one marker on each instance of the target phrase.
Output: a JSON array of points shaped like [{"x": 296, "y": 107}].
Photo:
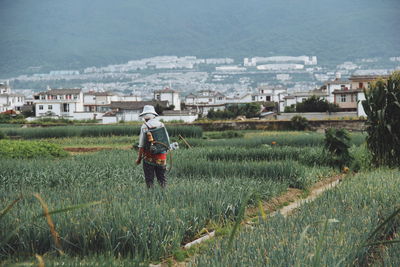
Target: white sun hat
[{"x": 148, "y": 109}]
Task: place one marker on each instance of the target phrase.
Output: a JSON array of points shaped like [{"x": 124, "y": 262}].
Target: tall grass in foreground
[
  {"x": 132, "y": 222},
  {"x": 334, "y": 230}
]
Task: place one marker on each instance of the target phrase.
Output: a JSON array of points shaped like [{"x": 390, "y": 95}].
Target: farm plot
[
  {"x": 95, "y": 131},
  {"x": 279, "y": 139},
  {"x": 122, "y": 217},
  {"x": 131, "y": 221},
  {"x": 334, "y": 230}
]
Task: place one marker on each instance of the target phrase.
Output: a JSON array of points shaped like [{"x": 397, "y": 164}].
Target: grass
[{"x": 338, "y": 223}]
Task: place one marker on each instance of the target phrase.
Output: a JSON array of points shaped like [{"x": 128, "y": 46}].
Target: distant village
[{"x": 111, "y": 107}]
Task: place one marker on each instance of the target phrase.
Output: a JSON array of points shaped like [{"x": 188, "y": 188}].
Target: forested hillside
[{"x": 59, "y": 34}]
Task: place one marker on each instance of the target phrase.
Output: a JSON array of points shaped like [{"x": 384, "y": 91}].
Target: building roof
[
  {"x": 100, "y": 93},
  {"x": 61, "y": 92},
  {"x": 191, "y": 95},
  {"x": 338, "y": 81},
  {"x": 165, "y": 90},
  {"x": 352, "y": 91},
  {"x": 367, "y": 77},
  {"x": 135, "y": 105}
]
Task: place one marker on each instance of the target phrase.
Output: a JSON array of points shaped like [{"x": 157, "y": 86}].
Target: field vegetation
[{"x": 103, "y": 214}]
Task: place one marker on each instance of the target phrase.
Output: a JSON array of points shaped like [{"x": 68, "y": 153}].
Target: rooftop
[
  {"x": 61, "y": 92},
  {"x": 165, "y": 90},
  {"x": 135, "y": 105}
]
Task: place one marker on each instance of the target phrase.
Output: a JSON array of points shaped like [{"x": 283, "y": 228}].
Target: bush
[
  {"x": 232, "y": 111},
  {"x": 299, "y": 123},
  {"x": 2, "y": 135},
  {"x": 30, "y": 149},
  {"x": 382, "y": 106},
  {"x": 316, "y": 104},
  {"x": 337, "y": 145}
]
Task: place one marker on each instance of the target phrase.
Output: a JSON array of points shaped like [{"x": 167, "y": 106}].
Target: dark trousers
[{"x": 158, "y": 171}]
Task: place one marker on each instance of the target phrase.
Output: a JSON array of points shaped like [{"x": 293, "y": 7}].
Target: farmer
[{"x": 154, "y": 159}]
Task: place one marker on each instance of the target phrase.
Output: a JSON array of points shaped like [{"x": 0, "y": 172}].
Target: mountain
[{"x": 59, "y": 34}]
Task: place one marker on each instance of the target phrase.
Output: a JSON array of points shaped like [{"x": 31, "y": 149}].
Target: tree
[
  {"x": 316, "y": 104},
  {"x": 382, "y": 106}
]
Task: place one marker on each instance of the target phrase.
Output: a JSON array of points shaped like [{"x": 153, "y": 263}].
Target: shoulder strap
[{"x": 148, "y": 127}]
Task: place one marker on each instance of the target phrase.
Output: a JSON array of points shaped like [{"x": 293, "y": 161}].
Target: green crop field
[{"x": 103, "y": 215}]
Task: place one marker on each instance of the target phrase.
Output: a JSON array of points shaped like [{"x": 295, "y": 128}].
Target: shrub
[
  {"x": 2, "y": 135},
  {"x": 337, "y": 145},
  {"x": 382, "y": 106},
  {"x": 299, "y": 123},
  {"x": 316, "y": 104}
]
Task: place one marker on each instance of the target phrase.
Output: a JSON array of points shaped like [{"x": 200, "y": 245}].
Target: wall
[
  {"x": 87, "y": 115},
  {"x": 185, "y": 118},
  {"x": 317, "y": 115}
]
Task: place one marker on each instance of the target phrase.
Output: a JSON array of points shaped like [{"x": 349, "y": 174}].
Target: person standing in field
[{"x": 153, "y": 147}]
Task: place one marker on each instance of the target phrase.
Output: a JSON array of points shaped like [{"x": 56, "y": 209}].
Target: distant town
[{"x": 187, "y": 88}]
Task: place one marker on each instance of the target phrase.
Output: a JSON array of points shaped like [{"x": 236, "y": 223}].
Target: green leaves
[{"x": 383, "y": 110}]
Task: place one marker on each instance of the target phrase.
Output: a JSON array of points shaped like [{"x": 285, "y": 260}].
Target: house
[
  {"x": 9, "y": 100},
  {"x": 298, "y": 97},
  {"x": 364, "y": 81},
  {"x": 336, "y": 85},
  {"x": 97, "y": 101},
  {"x": 127, "y": 110},
  {"x": 59, "y": 102},
  {"x": 206, "y": 97},
  {"x": 169, "y": 95},
  {"x": 349, "y": 98},
  {"x": 271, "y": 94}
]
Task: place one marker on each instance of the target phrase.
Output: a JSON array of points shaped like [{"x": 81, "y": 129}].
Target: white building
[
  {"x": 271, "y": 94},
  {"x": 336, "y": 85},
  {"x": 96, "y": 101},
  {"x": 298, "y": 97},
  {"x": 206, "y": 97},
  {"x": 9, "y": 100},
  {"x": 169, "y": 95},
  {"x": 59, "y": 103}
]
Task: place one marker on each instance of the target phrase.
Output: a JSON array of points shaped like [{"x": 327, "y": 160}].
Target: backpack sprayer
[{"x": 158, "y": 142}]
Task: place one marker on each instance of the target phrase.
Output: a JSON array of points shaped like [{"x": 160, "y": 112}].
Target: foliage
[
  {"x": 249, "y": 110},
  {"x": 2, "y": 135},
  {"x": 281, "y": 139},
  {"x": 382, "y": 106},
  {"x": 12, "y": 118},
  {"x": 290, "y": 109},
  {"x": 96, "y": 130},
  {"x": 340, "y": 222},
  {"x": 203, "y": 40},
  {"x": 225, "y": 135},
  {"x": 299, "y": 123},
  {"x": 132, "y": 222},
  {"x": 316, "y": 104},
  {"x": 337, "y": 144},
  {"x": 30, "y": 149}
]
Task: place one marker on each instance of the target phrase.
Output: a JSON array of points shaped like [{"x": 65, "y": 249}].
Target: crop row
[
  {"x": 337, "y": 229},
  {"x": 130, "y": 221},
  {"x": 282, "y": 139},
  {"x": 95, "y": 131},
  {"x": 29, "y": 149}
]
